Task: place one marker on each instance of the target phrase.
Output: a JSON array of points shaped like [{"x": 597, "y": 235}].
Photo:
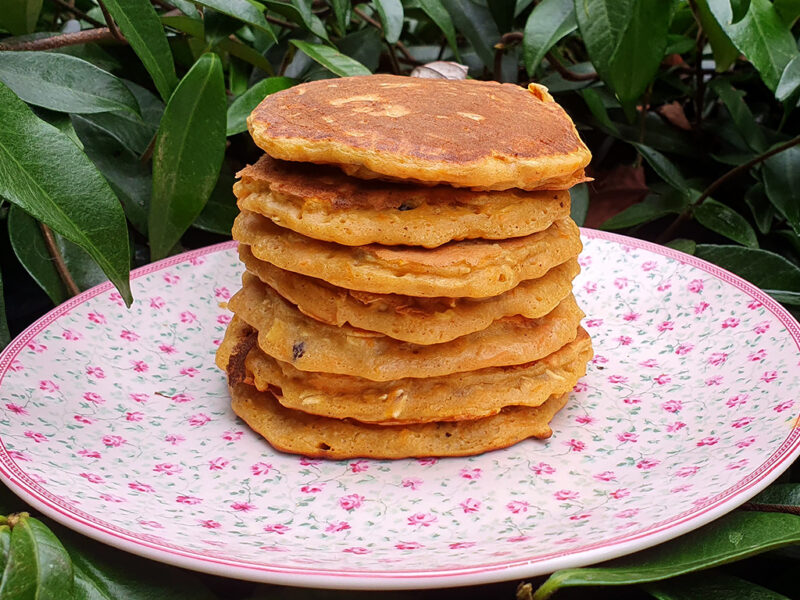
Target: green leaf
[
  {"x": 241, "y": 108},
  {"x": 63, "y": 83},
  {"x": 710, "y": 585},
  {"x": 725, "y": 221},
  {"x": 299, "y": 11},
  {"x": 130, "y": 179},
  {"x": 598, "y": 109},
  {"x": 725, "y": 53},
  {"x": 789, "y": 10},
  {"x": 5, "y": 335},
  {"x": 220, "y": 211},
  {"x": 476, "y": 24},
  {"x": 784, "y": 494},
  {"x": 342, "y": 10},
  {"x": 663, "y": 167},
  {"x": 784, "y": 297},
  {"x": 248, "y": 12},
  {"x": 682, "y": 245},
  {"x": 189, "y": 149},
  {"x": 733, "y": 537},
  {"x": 219, "y": 26},
  {"x": 74, "y": 200},
  {"x": 761, "y": 36},
  {"x": 60, "y": 121},
  {"x": 332, "y": 59},
  {"x": 391, "y": 16},
  {"x": 781, "y": 174},
  {"x": 763, "y": 212},
  {"x": 520, "y": 7},
  {"x": 579, "y": 203},
  {"x": 503, "y": 14},
  {"x": 439, "y": 15},
  {"x": 20, "y": 16},
  {"x": 740, "y": 113},
  {"x": 651, "y": 208},
  {"x": 678, "y": 44},
  {"x": 364, "y": 45},
  {"x": 739, "y": 9},
  {"x": 139, "y": 23},
  {"x": 549, "y": 21},
  {"x": 5, "y": 530},
  {"x": 38, "y": 566},
  {"x": 29, "y": 246},
  {"x": 762, "y": 268},
  {"x": 626, "y": 41},
  {"x": 790, "y": 80}
]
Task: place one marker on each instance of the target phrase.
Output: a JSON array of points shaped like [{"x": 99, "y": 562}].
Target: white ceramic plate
[{"x": 116, "y": 423}]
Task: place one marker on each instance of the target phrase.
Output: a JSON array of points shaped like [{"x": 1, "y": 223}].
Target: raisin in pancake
[
  {"x": 323, "y": 203},
  {"x": 290, "y": 336},
  {"x": 310, "y": 435},
  {"x": 471, "y": 395},
  {"x": 470, "y": 268},
  {"x": 411, "y": 319},
  {"x": 465, "y": 133}
]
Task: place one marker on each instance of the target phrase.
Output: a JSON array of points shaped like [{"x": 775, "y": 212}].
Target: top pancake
[{"x": 465, "y": 133}]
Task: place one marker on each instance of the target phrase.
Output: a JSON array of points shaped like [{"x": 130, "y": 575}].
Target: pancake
[
  {"x": 411, "y": 319},
  {"x": 322, "y": 203},
  {"x": 467, "y": 133},
  {"x": 309, "y": 345},
  {"x": 470, "y": 268},
  {"x": 310, "y": 435},
  {"x": 471, "y": 395}
]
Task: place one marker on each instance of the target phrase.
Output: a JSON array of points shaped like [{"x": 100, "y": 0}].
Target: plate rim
[{"x": 725, "y": 501}]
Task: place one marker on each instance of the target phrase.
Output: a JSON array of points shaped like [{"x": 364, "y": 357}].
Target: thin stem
[
  {"x": 110, "y": 21},
  {"x": 78, "y": 12},
  {"x": 393, "y": 59},
  {"x": 58, "y": 261},
  {"x": 365, "y": 17},
  {"x": 566, "y": 73},
  {"x": 282, "y": 23},
  {"x": 101, "y": 34},
  {"x": 724, "y": 178}
]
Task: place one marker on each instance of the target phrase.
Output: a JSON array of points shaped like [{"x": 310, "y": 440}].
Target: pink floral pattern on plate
[{"x": 117, "y": 423}]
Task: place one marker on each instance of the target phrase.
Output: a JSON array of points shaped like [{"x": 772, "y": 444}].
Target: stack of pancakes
[{"x": 409, "y": 262}]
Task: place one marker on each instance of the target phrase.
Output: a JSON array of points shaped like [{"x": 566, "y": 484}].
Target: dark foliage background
[{"x": 124, "y": 120}]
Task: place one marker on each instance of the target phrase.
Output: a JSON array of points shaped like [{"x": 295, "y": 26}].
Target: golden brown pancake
[
  {"x": 322, "y": 203},
  {"x": 310, "y": 435},
  {"x": 468, "y": 133},
  {"x": 309, "y": 345},
  {"x": 471, "y": 395},
  {"x": 408, "y": 318},
  {"x": 470, "y": 268}
]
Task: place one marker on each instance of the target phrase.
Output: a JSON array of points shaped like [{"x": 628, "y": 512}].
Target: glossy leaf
[
  {"x": 598, "y": 109},
  {"x": 139, "y": 23},
  {"x": 682, "y": 245},
  {"x": 74, "y": 200},
  {"x": 299, "y": 11},
  {"x": 725, "y": 221},
  {"x": 5, "y": 336},
  {"x": 5, "y": 530},
  {"x": 579, "y": 203},
  {"x": 710, "y": 585},
  {"x": 520, "y": 7},
  {"x": 38, "y": 566},
  {"x": 725, "y": 53},
  {"x": 391, "y": 16},
  {"x": 763, "y": 268},
  {"x": 741, "y": 115},
  {"x": 220, "y": 210},
  {"x": 29, "y": 247},
  {"x": 188, "y": 152},
  {"x": 60, "y": 121},
  {"x": 625, "y": 40},
  {"x": 739, "y": 9},
  {"x": 733, "y": 537},
  {"x": 20, "y": 16},
  {"x": 651, "y": 208},
  {"x": 782, "y": 184},
  {"x": 789, "y": 10},
  {"x": 63, "y": 83},
  {"x": 475, "y": 23},
  {"x": 439, "y": 15},
  {"x": 761, "y": 36},
  {"x": 364, "y": 45},
  {"x": 548, "y": 22},
  {"x": 247, "y": 12},
  {"x": 332, "y": 59},
  {"x": 785, "y": 494},
  {"x": 763, "y": 211},
  {"x": 241, "y": 108},
  {"x": 129, "y": 177},
  {"x": 789, "y": 82},
  {"x": 342, "y": 10},
  {"x": 663, "y": 167}
]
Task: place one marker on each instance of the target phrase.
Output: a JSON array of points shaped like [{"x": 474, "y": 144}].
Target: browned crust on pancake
[
  {"x": 321, "y": 437},
  {"x": 465, "y": 133}
]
